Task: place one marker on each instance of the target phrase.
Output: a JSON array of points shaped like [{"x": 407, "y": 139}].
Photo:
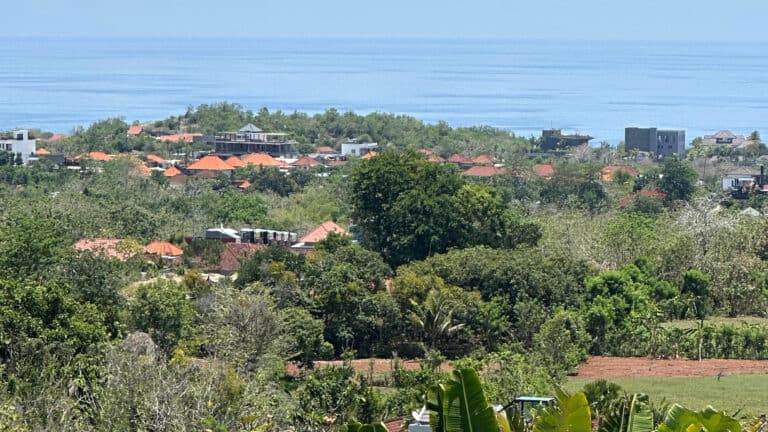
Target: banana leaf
[{"x": 459, "y": 405}]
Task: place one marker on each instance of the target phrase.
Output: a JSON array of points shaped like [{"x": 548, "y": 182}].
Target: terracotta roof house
[
  {"x": 97, "y": 156},
  {"x": 104, "y": 246},
  {"x": 426, "y": 152},
  {"x": 56, "y": 137},
  {"x": 155, "y": 159},
  {"x": 484, "y": 171},
  {"x": 233, "y": 253},
  {"x": 139, "y": 169},
  {"x": 135, "y": 130},
  {"x": 235, "y": 162},
  {"x": 244, "y": 185},
  {"x": 484, "y": 160},
  {"x": 371, "y": 154},
  {"x": 325, "y": 149},
  {"x": 435, "y": 158},
  {"x": 462, "y": 161},
  {"x": 306, "y": 162},
  {"x": 544, "y": 170},
  {"x": 318, "y": 233},
  {"x": 210, "y": 163},
  {"x": 182, "y": 137},
  {"x": 42, "y": 152},
  {"x": 163, "y": 248},
  {"x": 609, "y": 171},
  {"x": 261, "y": 159},
  {"x": 172, "y": 172}
]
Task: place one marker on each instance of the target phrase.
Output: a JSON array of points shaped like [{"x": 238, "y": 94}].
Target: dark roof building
[{"x": 553, "y": 139}]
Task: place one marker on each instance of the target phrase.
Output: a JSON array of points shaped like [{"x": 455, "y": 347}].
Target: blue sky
[{"x": 531, "y": 19}]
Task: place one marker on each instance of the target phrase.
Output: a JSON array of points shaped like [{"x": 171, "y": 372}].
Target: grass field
[
  {"x": 737, "y": 321},
  {"x": 747, "y": 393}
]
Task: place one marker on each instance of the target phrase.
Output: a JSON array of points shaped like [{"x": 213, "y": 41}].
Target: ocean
[{"x": 596, "y": 88}]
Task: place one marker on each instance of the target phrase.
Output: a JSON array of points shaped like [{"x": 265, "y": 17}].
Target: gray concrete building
[{"x": 657, "y": 141}]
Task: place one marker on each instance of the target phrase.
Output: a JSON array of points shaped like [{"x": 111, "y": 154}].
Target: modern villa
[
  {"x": 20, "y": 143},
  {"x": 251, "y": 139}
]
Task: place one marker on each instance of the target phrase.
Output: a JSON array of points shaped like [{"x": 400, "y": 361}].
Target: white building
[
  {"x": 20, "y": 143},
  {"x": 357, "y": 149}
]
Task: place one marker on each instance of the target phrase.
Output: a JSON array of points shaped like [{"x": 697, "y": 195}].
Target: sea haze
[{"x": 595, "y": 88}]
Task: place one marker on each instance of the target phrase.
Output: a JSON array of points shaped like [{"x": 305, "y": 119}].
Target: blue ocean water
[{"x": 595, "y": 88}]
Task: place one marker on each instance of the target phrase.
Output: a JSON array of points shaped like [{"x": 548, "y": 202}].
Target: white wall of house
[
  {"x": 357, "y": 149},
  {"x": 20, "y": 144}
]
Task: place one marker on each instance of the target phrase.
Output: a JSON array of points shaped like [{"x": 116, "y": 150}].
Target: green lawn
[{"x": 748, "y": 393}]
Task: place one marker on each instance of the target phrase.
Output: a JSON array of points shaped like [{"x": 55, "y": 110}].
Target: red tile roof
[
  {"x": 155, "y": 159},
  {"x": 544, "y": 170},
  {"x": 325, "y": 149},
  {"x": 435, "y": 158},
  {"x": 42, "y": 151},
  {"x": 210, "y": 163},
  {"x": 370, "y": 154},
  {"x": 396, "y": 425},
  {"x": 97, "y": 156},
  {"x": 459, "y": 159},
  {"x": 261, "y": 159},
  {"x": 426, "y": 152},
  {"x": 56, "y": 137},
  {"x": 234, "y": 252},
  {"x": 306, "y": 161},
  {"x": 484, "y": 171},
  {"x": 104, "y": 246},
  {"x": 163, "y": 248},
  {"x": 483, "y": 160},
  {"x": 182, "y": 137},
  {"x": 235, "y": 162},
  {"x": 134, "y": 130},
  {"x": 245, "y": 185},
  {"x": 172, "y": 172},
  {"x": 139, "y": 169},
  {"x": 321, "y": 231}
]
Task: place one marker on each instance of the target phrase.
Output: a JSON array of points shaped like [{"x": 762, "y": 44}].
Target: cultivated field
[{"x": 742, "y": 385}]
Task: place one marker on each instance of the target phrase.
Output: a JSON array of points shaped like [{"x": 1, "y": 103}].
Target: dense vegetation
[{"x": 519, "y": 276}]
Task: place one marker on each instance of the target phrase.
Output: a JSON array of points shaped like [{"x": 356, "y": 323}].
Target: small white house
[
  {"x": 357, "y": 149},
  {"x": 20, "y": 143}
]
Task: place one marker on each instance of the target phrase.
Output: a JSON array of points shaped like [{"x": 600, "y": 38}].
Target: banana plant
[
  {"x": 570, "y": 414},
  {"x": 459, "y": 405},
  {"x": 640, "y": 416},
  {"x": 681, "y": 419}
]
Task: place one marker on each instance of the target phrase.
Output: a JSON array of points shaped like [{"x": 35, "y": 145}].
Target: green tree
[
  {"x": 678, "y": 180},
  {"x": 409, "y": 209},
  {"x": 162, "y": 310}
]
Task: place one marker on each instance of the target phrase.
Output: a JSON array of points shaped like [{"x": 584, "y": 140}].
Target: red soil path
[{"x": 638, "y": 367}]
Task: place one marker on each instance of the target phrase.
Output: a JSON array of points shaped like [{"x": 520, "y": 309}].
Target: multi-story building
[
  {"x": 657, "y": 141},
  {"x": 553, "y": 139},
  {"x": 251, "y": 139},
  {"x": 20, "y": 143},
  {"x": 355, "y": 148}
]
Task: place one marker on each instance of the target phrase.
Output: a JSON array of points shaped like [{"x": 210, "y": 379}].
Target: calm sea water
[{"x": 595, "y": 88}]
